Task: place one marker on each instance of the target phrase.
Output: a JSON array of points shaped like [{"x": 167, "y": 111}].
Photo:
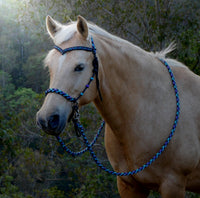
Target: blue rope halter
[
  {"x": 95, "y": 72},
  {"x": 81, "y": 129}
]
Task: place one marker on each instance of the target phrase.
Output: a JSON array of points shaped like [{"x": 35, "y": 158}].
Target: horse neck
[{"x": 122, "y": 73}]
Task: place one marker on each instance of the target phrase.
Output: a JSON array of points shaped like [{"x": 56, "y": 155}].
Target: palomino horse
[{"x": 138, "y": 105}]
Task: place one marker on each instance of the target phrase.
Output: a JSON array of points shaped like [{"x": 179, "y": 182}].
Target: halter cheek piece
[{"x": 75, "y": 112}]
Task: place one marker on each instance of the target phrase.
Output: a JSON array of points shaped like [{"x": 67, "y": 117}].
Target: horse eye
[{"x": 79, "y": 67}]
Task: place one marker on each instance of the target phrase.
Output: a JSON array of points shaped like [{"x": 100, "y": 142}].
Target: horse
[{"x": 136, "y": 99}]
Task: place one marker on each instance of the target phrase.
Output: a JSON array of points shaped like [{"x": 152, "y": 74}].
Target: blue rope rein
[
  {"x": 147, "y": 164},
  {"x": 75, "y": 154}
]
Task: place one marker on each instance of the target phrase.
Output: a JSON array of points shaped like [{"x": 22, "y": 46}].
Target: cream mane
[{"x": 67, "y": 32}]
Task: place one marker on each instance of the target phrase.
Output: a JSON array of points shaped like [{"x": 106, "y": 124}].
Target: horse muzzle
[
  {"x": 52, "y": 125},
  {"x": 53, "y": 120}
]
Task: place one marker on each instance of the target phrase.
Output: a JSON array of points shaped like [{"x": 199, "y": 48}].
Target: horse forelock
[
  {"x": 48, "y": 58},
  {"x": 65, "y": 34}
]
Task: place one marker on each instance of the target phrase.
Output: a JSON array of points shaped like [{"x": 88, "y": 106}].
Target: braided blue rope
[
  {"x": 89, "y": 146},
  {"x": 88, "y": 49},
  {"x": 75, "y": 154},
  {"x": 65, "y": 95}
]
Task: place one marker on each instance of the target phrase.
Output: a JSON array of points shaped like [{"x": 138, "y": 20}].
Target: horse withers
[{"x": 135, "y": 97}]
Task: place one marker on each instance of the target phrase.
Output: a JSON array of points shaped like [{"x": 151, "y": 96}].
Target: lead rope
[{"x": 89, "y": 146}]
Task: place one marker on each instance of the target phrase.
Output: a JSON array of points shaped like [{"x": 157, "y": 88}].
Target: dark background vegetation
[{"x": 32, "y": 164}]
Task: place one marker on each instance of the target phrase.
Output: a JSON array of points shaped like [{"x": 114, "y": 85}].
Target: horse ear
[
  {"x": 82, "y": 27},
  {"x": 52, "y": 26}
]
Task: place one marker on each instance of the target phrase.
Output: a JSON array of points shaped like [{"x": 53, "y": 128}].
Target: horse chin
[{"x": 57, "y": 131}]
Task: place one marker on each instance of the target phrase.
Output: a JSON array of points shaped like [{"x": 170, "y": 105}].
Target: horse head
[{"x": 69, "y": 72}]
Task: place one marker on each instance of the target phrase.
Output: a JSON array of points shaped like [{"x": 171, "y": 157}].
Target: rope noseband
[{"x": 80, "y": 128}]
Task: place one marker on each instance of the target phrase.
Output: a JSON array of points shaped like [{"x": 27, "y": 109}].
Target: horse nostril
[
  {"x": 53, "y": 122},
  {"x": 41, "y": 123}
]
